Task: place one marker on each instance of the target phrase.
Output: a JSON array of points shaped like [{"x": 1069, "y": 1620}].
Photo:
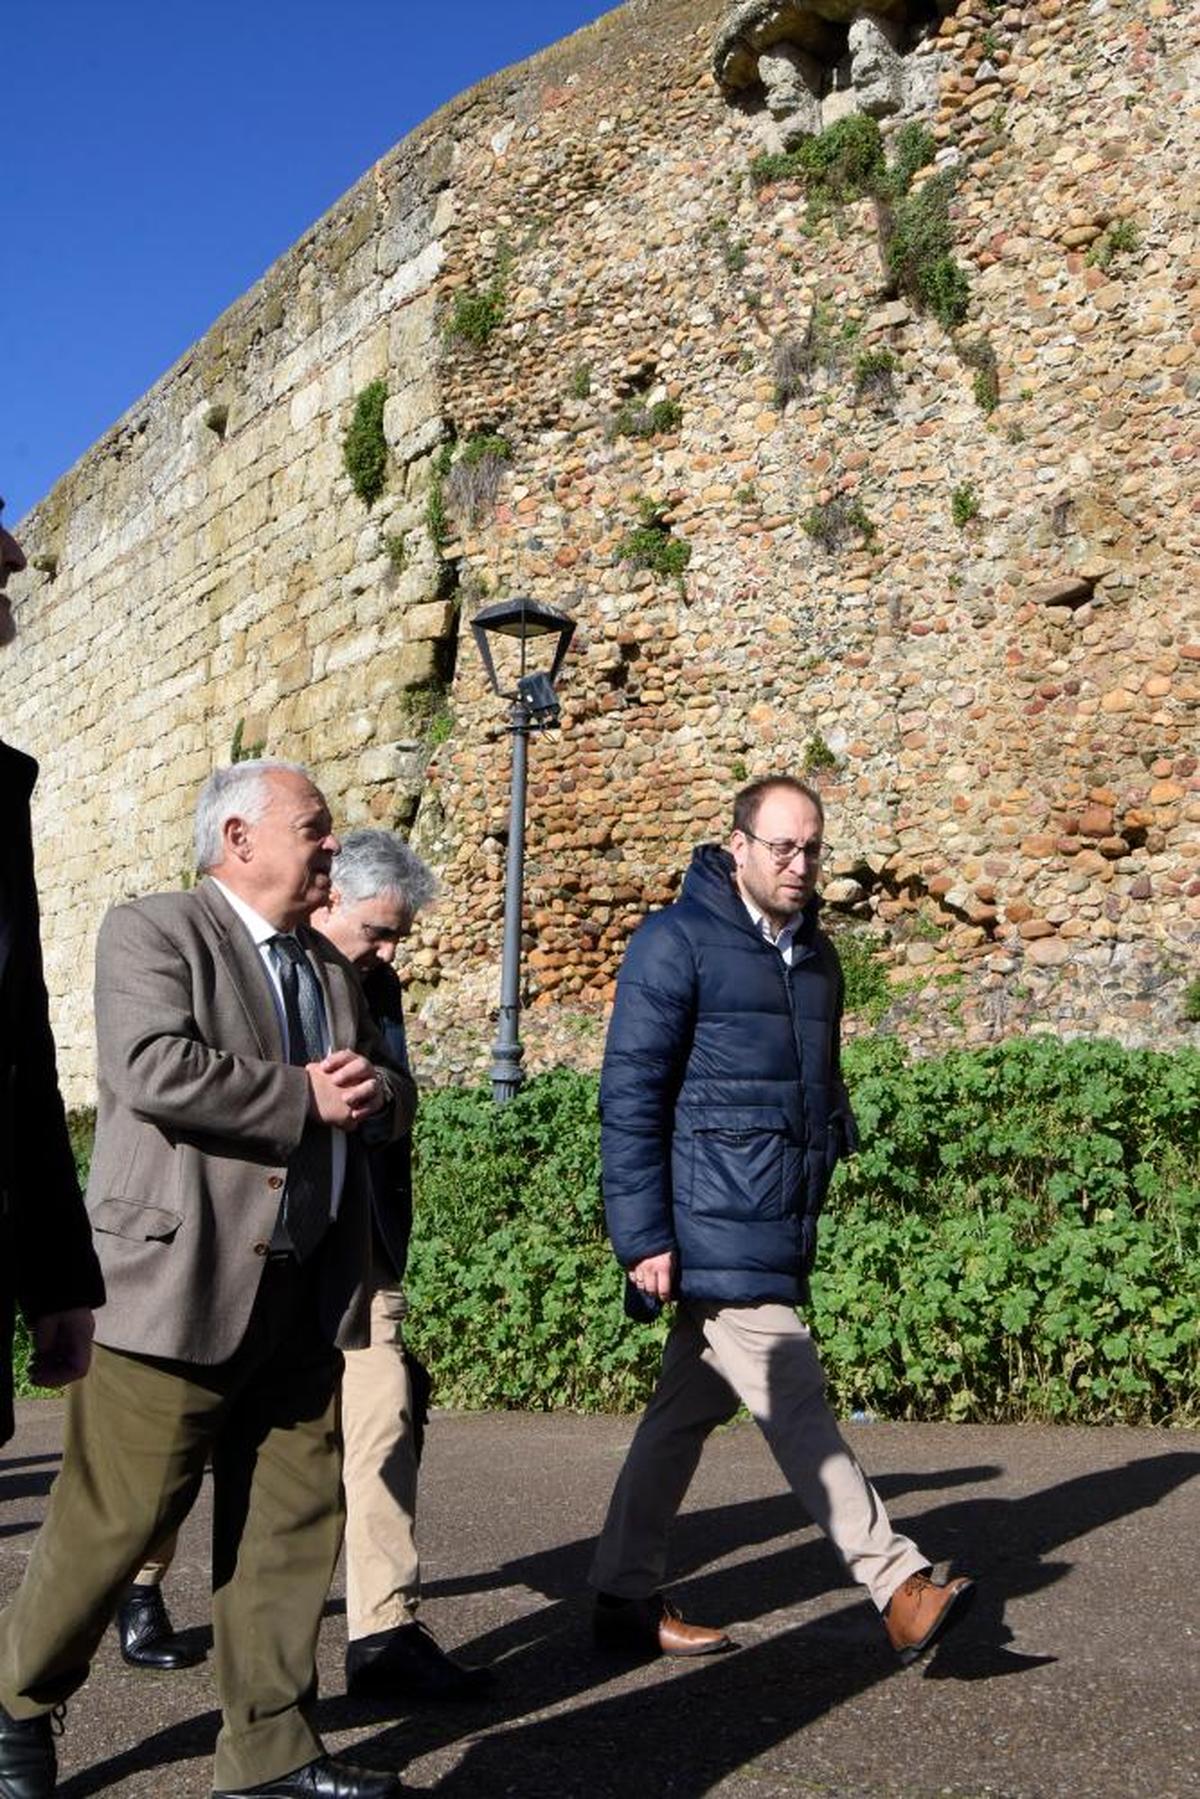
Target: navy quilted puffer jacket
[{"x": 723, "y": 1111}]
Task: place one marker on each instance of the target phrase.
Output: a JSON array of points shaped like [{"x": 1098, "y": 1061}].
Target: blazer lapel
[{"x": 248, "y": 979}]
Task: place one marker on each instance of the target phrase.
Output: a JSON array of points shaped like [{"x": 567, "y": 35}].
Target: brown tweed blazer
[{"x": 197, "y": 1117}]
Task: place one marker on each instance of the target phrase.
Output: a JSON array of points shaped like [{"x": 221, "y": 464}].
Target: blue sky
[{"x": 156, "y": 157}]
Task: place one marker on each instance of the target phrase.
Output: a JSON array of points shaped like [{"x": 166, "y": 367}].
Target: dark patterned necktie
[{"x": 304, "y": 1217}]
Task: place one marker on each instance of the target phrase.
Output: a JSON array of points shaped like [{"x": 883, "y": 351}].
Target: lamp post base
[{"x": 506, "y": 1072}]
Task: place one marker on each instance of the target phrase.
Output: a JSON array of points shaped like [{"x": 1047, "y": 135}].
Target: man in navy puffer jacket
[{"x": 723, "y": 1115}]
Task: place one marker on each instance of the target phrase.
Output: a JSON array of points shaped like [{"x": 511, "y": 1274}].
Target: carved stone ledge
[{"x": 817, "y": 60}]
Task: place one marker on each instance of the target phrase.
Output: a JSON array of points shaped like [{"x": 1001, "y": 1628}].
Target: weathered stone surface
[
  {"x": 1017, "y": 769},
  {"x": 1066, "y": 590}
]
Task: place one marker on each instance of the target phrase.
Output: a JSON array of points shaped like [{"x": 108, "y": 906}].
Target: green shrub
[
  {"x": 437, "y": 521},
  {"x": 978, "y": 354},
  {"x": 915, "y": 147},
  {"x": 652, "y": 546},
  {"x": 1047, "y": 1194},
  {"x": 818, "y": 755},
  {"x": 964, "y": 504},
  {"x": 773, "y": 166},
  {"x": 364, "y": 449},
  {"x": 874, "y": 373},
  {"x": 636, "y": 419},
  {"x": 476, "y": 313},
  {"x": 1191, "y": 1002},
  {"x": 240, "y": 750},
  {"x": 1019, "y": 1238},
  {"x": 868, "y": 990},
  {"x": 917, "y": 239},
  {"x": 837, "y": 522},
  {"x": 838, "y": 165},
  {"x": 516, "y": 1299},
  {"x": 580, "y": 385},
  {"x": 1119, "y": 240}
]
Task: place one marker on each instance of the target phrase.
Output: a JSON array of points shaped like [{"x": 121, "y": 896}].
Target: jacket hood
[{"x": 709, "y": 883}]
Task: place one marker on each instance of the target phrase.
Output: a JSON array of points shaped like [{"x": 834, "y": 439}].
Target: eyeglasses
[{"x": 782, "y": 850}]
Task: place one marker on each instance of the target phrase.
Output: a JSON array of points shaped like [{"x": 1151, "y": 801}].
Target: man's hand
[
  {"x": 344, "y": 1089},
  {"x": 62, "y": 1347},
  {"x": 655, "y": 1275}
]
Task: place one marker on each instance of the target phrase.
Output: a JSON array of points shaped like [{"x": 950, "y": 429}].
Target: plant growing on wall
[
  {"x": 795, "y": 360},
  {"x": 838, "y": 165},
  {"x": 914, "y": 148},
  {"x": 1119, "y": 240},
  {"x": 239, "y": 750},
  {"x": 874, "y": 373},
  {"x": 917, "y": 239},
  {"x": 636, "y": 419},
  {"x": 476, "y": 313},
  {"x": 473, "y": 482},
  {"x": 437, "y": 522},
  {"x": 978, "y": 354},
  {"x": 652, "y": 546},
  {"x": 365, "y": 450},
  {"x": 837, "y": 522},
  {"x": 818, "y": 756},
  {"x": 964, "y": 504}
]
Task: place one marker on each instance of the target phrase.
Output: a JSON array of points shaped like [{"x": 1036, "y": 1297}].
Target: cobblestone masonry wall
[{"x": 1002, "y": 711}]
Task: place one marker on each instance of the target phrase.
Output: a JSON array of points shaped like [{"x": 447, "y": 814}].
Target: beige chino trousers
[
  {"x": 383, "y": 1569},
  {"x": 762, "y": 1355}
]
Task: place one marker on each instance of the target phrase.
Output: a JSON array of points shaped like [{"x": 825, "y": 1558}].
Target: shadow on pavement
[
  {"x": 189, "y": 1739},
  {"x": 691, "y": 1724},
  {"x": 686, "y": 1726}
]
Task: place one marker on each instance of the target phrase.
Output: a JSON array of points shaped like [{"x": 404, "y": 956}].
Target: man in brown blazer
[{"x": 230, "y": 1201}]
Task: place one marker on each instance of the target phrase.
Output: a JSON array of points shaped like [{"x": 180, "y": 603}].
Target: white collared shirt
[
  {"x": 261, "y": 932},
  {"x": 787, "y": 935}
]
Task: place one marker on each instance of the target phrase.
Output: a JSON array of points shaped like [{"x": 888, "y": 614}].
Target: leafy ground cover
[{"x": 1019, "y": 1239}]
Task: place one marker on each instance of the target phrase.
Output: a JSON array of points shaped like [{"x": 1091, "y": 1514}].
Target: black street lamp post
[{"x": 534, "y": 707}]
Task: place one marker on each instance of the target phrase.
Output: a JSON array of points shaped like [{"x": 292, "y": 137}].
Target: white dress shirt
[
  {"x": 787, "y": 934},
  {"x": 261, "y": 933}
]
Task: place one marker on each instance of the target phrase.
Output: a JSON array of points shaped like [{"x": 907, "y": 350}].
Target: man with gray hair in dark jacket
[{"x": 723, "y": 1116}]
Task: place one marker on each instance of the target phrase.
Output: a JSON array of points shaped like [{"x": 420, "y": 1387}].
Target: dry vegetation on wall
[{"x": 863, "y": 449}]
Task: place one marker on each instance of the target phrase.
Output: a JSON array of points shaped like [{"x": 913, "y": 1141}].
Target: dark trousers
[{"x": 139, "y": 1433}]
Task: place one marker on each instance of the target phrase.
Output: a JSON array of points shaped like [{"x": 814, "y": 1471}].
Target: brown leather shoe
[
  {"x": 650, "y": 1626},
  {"x": 920, "y": 1609}
]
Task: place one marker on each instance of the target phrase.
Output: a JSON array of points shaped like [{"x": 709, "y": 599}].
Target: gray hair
[
  {"x": 241, "y": 791},
  {"x": 374, "y": 862}
]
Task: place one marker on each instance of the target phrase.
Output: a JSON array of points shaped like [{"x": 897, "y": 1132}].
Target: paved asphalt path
[{"x": 1077, "y": 1673}]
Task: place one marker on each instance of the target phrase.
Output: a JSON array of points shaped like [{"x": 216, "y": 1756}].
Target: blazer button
[
  {"x": 274, "y": 1181},
  {"x": 261, "y": 1249}
]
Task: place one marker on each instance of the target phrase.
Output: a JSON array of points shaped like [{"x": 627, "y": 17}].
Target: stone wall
[{"x": 1002, "y": 711}]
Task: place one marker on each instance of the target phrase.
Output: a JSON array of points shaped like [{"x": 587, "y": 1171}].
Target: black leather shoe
[
  {"x": 28, "y": 1762},
  {"x": 148, "y": 1638},
  {"x": 406, "y": 1663},
  {"x": 322, "y": 1779}
]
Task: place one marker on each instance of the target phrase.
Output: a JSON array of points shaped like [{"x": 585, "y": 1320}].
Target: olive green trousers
[{"x": 139, "y": 1432}]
